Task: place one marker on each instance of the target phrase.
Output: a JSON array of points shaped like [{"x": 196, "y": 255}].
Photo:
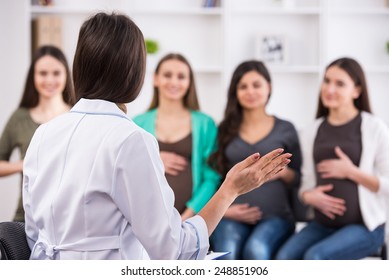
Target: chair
[{"x": 13, "y": 241}]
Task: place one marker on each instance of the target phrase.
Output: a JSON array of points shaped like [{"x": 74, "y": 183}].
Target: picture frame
[{"x": 272, "y": 48}]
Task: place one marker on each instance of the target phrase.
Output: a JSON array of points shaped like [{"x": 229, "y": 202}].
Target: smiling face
[
  {"x": 253, "y": 91},
  {"x": 172, "y": 80},
  {"x": 49, "y": 77},
  {"x": 338, "y": 90}
]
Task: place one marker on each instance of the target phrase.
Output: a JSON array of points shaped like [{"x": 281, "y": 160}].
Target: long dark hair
[
  {"x": 190, "y": 98},
  {"x": 233, "y": 114},
  {"x": 30, "y": 98},
  {"x": 110, "y": 59},
  {"x": 355, "y": 71}
]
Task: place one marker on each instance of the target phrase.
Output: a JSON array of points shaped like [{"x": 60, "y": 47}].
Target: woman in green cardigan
[{"x": 186, "y": 136}]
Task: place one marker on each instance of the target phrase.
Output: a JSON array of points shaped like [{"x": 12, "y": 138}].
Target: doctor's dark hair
[
  {"x": 30, "y": 97},
  {"x": 233, "y": 114},
  {"x": 355, "y": 72},
  {"x": 110, "y": 59}
]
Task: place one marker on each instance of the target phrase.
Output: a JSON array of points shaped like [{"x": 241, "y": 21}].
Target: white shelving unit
[
  {"x": 369, "y": 23},
  {"x": 187, "y": 28},
  {"x": 179, "y": 26},
  {"x": 295, "y": 81},
  {"x": 215, "y": 40}
]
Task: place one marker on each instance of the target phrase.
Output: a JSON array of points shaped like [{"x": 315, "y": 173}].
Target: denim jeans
[
  {"x": 317, "y": 242},
  {"x": 251, "y": 242}
]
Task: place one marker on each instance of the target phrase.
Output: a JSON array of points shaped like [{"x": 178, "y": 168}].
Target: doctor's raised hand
[
  {"x": 94, "y": 184},
  {"x": 245, "y": 176}
]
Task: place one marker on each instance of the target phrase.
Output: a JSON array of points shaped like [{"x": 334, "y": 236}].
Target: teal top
[{"x": 204, "y": 132}]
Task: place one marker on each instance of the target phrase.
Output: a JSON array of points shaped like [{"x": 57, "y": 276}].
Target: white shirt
[
  {"x": 374, "y": 160},
  {"x": 94, "y": 188}
]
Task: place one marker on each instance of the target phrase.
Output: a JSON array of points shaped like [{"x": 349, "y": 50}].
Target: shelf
[
  {"x": 360, "y": 11},
  {"x": 294, "y": 69},
  {"x": 199, "y": 69},
  {"x": 54, "y": 10},
  {"x": 217, "y": 11},
  {"x": 277, "y": 11},
  {"x": 177, "y": 11}
]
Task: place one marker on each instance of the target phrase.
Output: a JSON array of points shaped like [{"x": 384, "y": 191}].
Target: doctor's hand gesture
[
  {"x": 255, "y": 170},
  {"x": 243, "y": 177}
]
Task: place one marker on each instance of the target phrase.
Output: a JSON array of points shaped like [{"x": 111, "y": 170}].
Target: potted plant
[
  {"x": 152, "y": 46},
  {"x": 387, "y": 46}
]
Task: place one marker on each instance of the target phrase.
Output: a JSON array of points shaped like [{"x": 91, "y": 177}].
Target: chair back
[{"x": 13, "y": 241}]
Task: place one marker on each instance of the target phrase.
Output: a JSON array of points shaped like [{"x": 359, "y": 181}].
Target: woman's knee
[
  {"x": 289, "y": 251},
  {"x": 257, "y": 251},
  {"x": 314, "y": 254},
  {"x": 284, "y": 254}
]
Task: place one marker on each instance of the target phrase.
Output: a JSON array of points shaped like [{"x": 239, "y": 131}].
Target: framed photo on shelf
[{"x": 272, "y": 48}]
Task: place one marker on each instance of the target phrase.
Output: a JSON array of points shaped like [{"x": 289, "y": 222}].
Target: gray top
[
  {"x": 349, "y": 138},
  {"x": 273, "y": 198}
]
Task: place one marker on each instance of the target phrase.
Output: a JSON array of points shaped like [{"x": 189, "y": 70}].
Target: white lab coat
[{"x": 94, "y": 188}]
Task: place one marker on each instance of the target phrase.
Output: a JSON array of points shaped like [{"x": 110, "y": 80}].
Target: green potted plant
[
  {"x": 152, "y": 46},
  {"x": 387, "y": 46}
]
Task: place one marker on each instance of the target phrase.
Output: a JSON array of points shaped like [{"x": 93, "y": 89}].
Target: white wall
[{"x": 14, "y": 56}]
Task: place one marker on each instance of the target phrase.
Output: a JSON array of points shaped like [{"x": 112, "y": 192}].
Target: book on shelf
[
  {"x": 42, "y": 2},
  {"x": 46, "y": 30},
  {"x": 211, "y": 3}
]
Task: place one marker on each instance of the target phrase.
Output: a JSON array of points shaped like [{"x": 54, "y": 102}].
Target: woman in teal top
[{"x": 185, "y": 135}]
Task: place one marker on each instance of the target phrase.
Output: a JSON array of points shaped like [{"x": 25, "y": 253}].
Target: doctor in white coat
[{"x": 94, "y": 185}]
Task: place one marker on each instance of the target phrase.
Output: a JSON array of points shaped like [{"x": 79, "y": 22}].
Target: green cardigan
[{"x": 204, "y": 131}]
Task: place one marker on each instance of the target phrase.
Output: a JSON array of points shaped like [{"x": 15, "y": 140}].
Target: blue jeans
[
  {"x": 251, "y": 242},
  {"x": 317, "y": 242}
]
